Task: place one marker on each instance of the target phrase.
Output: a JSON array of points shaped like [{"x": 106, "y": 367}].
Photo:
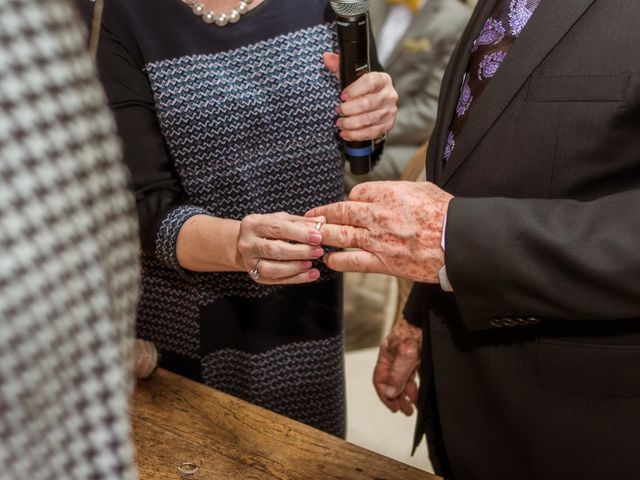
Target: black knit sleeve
[{"x": 161, "y": 201}]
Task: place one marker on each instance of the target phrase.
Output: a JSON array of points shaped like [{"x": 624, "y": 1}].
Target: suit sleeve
[
  {"x": 544, "y": 259},
  {"x": 415, "y": 310},
  {"x": 162, "y": 204}
]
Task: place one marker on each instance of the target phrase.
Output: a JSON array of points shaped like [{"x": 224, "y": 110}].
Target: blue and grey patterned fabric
[{"x": 250, "y": 130}]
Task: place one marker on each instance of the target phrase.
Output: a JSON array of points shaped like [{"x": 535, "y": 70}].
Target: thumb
[{"x": 332, "y": 62}]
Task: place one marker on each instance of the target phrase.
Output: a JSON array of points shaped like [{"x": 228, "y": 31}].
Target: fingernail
[
  {"x": 315, "y": 237},
  {"x": 338, "y": 110},
  {"x": 314, "y": 274},
  {"x": 317, "y": 252},
  {"x": 390, "y": 392},
  {"x": 325, "y": 258},
  {"x": 344, "y": 96},
  {"x": 339, "y": 123},
  {"x": 306, "y": 265}
]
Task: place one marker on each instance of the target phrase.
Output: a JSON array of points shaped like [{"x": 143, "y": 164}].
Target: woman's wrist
[{"x": 209, "y": 244}]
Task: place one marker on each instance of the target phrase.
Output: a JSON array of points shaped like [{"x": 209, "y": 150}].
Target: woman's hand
[
  {"x": 279, "y": 247},
  {"x": 369, "y": 105}
]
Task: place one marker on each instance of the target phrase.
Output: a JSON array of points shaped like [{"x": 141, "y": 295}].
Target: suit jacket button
[
  {"x": 496, "y": 322},
  {"x": 509, "y": 322}
]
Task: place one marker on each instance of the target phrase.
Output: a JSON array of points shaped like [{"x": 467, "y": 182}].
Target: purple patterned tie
[{"x": 489, "y": 50}]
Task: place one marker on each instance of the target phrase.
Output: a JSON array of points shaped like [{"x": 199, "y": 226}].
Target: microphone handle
[{"x": 353, "y": 39}]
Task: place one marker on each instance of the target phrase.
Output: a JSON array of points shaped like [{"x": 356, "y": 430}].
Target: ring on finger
[
  {"x": 318, "y": 226},
  {"x": 254, "y": 273}
]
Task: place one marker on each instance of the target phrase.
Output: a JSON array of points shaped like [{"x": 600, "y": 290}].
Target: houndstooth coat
[{"x": 68, "y": 257}]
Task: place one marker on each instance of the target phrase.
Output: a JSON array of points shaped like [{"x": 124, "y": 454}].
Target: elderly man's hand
[
  {"x": 397, "y": 227},
  {"x": 395, "y": 373}
]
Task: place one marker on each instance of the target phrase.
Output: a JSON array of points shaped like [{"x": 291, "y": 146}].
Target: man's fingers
[
  {"x": 402, "y": 403},
  {"x": 355, "y": 261},
  {"x": 411, "y": 391},
  {"x": 402, "y": 369},
  {"x": 405, "y": 406},
  {"x": 370, "y": 192},
  {"x": 341, "y": 236},
  {"x": 344, "y": 213}
]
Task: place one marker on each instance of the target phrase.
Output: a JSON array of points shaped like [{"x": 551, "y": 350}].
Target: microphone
[{"x": 353, "y": 41}]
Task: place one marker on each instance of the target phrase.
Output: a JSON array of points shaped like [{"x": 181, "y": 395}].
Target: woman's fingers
[
  {"x": 284, "y": 227},
  {"x": 369, "y": 83},
  {"x": 367, "y": 133},
  {"x": 363, "y": 120},
  {"x": 272, "y": 270},
  {"x": 283, "y": 251},
  {"x": 332, "y": 62},
  {"x": 369, "y": 108},
  {"x": 285, "y": 246},
  {"x": 303, "y": 277}
]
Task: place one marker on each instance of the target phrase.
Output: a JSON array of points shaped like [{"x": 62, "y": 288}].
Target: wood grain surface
[{"x": 176, "y": 420}]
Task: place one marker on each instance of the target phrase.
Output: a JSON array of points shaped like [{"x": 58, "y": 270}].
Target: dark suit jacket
[{"x": 536, "y": 357}]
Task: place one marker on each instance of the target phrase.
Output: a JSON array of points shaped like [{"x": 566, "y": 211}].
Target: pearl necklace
[{"x": 220, "y": 19}]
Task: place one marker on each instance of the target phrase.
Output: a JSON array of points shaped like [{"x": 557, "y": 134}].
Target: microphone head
[{"x": 349, "y": 8}]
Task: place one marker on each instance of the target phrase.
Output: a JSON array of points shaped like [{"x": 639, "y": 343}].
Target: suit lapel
[
  {"x": 547, "y": 26},
  {"x": 451, "y": 82}
]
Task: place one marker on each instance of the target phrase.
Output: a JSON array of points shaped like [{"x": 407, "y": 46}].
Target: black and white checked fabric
[{"x": 68, "y": 257}]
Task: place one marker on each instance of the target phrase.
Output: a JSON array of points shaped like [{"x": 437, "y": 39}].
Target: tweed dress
[{"x": 227, "y": 122}]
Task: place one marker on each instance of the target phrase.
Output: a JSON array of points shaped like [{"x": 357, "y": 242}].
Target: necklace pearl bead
[
  {"x": 234, "y": 16},
  {"x": 198, "y": 9},
  {"x": 222, "y": 19}
]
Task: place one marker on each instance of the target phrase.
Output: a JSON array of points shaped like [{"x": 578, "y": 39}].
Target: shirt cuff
[{"x": 445, "y": 284}]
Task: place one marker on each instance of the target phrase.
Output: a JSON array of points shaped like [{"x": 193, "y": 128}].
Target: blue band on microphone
[{"x": 358, "y": 152}]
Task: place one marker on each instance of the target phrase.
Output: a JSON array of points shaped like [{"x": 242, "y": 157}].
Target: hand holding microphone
[{"x": 369, "y": 100}]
